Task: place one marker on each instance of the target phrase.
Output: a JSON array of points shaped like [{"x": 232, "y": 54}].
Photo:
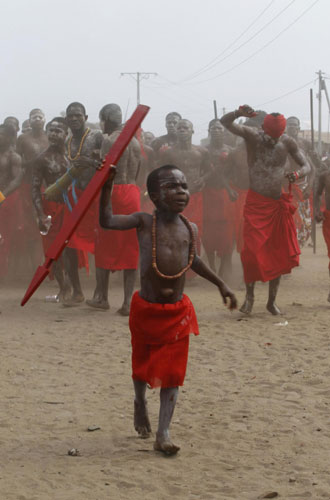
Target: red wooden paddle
[{"x": 86, "y": 199}]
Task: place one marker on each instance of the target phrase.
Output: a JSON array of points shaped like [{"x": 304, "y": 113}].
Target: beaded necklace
[
  {"x": 154, "y": 248},
  {"x": 80, "y": 146}
]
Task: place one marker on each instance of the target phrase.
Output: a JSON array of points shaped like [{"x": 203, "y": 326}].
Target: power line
[
  {"x": 211, "y": 66},
  {"x": 261, "y": 48},
  {"x": 285, "y": 95}
]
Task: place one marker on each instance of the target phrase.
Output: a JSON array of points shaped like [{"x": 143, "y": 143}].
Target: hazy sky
[{"x": 53, "y": 53}]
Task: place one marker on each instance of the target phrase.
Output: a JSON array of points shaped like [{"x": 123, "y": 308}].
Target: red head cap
[{"x": 274, "y": 125}]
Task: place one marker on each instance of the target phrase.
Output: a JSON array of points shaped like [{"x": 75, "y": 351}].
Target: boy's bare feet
[
  {"x": 141, "y": 420},
  {"x": 165, "y": 445}
]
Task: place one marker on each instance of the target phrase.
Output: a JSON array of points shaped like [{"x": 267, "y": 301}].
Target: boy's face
[{"x": 173, "y": 194}]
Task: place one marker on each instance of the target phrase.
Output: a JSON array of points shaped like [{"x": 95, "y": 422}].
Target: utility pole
[
  {"x": 138, "y": 76},
  {"x": 319, "y": 138}
]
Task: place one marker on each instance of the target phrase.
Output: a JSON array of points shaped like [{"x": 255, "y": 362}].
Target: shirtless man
[
  {"x": 236, "y": 177},
  {"x": 160, "y": 335},
  {"x": 12, "y": 121},
  {"x": 164, "y": 141},
  {"x": 83, "y": 150},
  {"x": 218, "y": 210},
  {"x": 26, "y": 127},
  {"x": 29, "y": 146},
  {"x": 114, "y": 250},
  {"x": 11, "y": 174},
  {"x": 270, "y": 243},
  {"x": 194, "y": 161},
  {"x": 302, "y": 190},
  {"x": 323, "y": 186},
  {"x": 48, "y": 167},
  {"x": 148, "y": 137}
]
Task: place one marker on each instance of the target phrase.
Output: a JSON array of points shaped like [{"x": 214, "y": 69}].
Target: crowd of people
[
  {"x": 255, "y": 186},
  {"x": 217, "y": 174}
]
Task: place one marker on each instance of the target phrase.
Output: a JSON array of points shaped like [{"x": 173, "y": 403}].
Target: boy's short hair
[{"x": 152, "y": 179}]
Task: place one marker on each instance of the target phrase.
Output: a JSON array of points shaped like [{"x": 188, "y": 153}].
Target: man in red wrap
[
  {"x": 236, "y": 178},
  {"x": 48, "y": 167},
  {"x": 11, "y": 174},
  {"x": 218, "y": 211},
  {"x": 83, "y": 149},
  {"x": 194, "y": 161},
  {"x": 115, "y": 250},
  {"x": 29, "y": 146},
  {"x": 270, "y": 241},
  {"x": 161, "y": 316},
  {"x": 323, "y": 186}
]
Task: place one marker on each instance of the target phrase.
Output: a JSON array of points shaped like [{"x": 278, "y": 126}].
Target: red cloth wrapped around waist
[
  {"x": 154, "y": 323},
  {"x": 194, "y": 210},
  {"x": 84, "y": 236},
  {"x": 270, "y": 241},
  {"x": 326, "y": 230},
  {"x": 160, "y": 340},
  {"x": 218, "y": 221},
  {"x": 9, "y": 224},
  {"x": 217, "y": 206},
  {"x": 116, "y": 250},
  {"x": 239, "y": 210}
]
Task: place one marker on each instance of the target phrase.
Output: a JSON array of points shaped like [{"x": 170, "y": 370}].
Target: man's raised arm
[
  {"x": 299, "y": 157},
  {"x": 107, "y": 219},
  {"x": 241, "y": 130}
]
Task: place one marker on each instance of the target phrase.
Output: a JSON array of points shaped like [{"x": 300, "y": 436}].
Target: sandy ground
[{"x": 252, "y": 418}]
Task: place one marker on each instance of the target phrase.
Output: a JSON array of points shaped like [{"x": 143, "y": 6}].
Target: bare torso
[
  {"x": 90, "y": 149},
  {"x": 266, "y": 161},
  {"x": 128, "y": 165},
  {"x": 29, "y": 146},
  {"x": 173, "y": 241},
  {"x": 237, "y": 170},
  {"x": 10, "y": 171},
  {"x": 48, "y": 167},
  {"x": 193, "y": 161},
  {"x": 217, "y": 158}
]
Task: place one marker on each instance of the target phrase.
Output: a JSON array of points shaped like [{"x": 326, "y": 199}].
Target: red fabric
[
  {"x": 270, "y": 240},
  {"x": 9, "y": 222},
  {"x": 274, "y": 126},
  {"x": 84, "y": 236},
  {"x": 146, "y": 203},
  {"x": 160, "y": 340},
  {"x": 239, "y": 219},
  {"x": 27, "y": 227},
  {"x": 218, "y": 221},
  {"x": 117, "y": 250},
  {"x": 326, "y": 230},
  {"x": 57, "y": 212},
  {"x": 194, "y": 212}
]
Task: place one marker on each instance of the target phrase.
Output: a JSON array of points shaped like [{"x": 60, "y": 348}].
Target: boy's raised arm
[{"x": 107, "y": 219}]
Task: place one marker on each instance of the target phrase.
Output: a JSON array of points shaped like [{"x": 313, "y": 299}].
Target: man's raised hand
[{"x": 247, "y": 111}]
